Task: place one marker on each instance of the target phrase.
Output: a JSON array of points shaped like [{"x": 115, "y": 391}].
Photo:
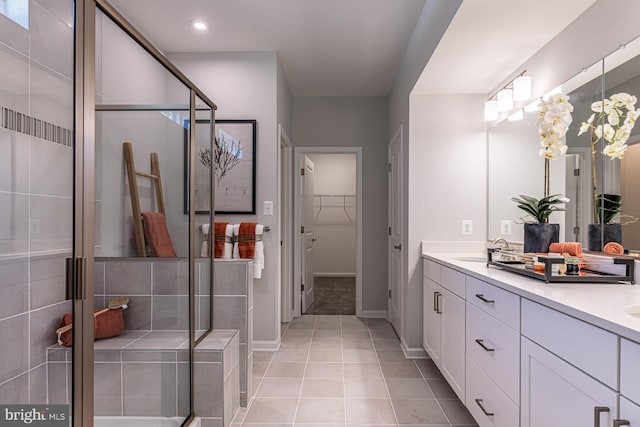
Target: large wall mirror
[{"x": 591, "y": 179}]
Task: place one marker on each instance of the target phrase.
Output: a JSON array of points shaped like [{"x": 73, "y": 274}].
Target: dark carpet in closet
[{"x": 334, "y": 295}]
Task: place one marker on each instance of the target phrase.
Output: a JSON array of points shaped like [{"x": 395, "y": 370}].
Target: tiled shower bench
[{"x": 146, "y": 373}]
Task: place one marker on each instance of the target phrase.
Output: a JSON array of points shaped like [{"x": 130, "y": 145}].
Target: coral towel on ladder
[
  {"x": 247, "y": 240},
  {"x": 157, "y": 235}
]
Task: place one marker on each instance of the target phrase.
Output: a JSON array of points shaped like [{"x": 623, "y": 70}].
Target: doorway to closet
[{"x": 328, "y": 260}]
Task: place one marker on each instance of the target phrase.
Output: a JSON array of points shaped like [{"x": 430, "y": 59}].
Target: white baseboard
[
  {"x": 266, "y": 345},
  {"x": 413, "y": 352},
  {"x": 374, "y": 314},
  {"x": 334, "y": 274}
]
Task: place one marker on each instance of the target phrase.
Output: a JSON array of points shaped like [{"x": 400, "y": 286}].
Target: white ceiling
[
  {"x": 326, "y": 47},
  {"x": 488, "y": 39}
]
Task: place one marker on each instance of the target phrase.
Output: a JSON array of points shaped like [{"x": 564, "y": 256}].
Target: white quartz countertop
[{"x": 602, "y": 305}]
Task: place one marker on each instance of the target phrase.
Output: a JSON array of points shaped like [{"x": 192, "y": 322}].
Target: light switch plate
[
  {"x": 267, "y": 207},
  {"x": 467, "y": 226}
]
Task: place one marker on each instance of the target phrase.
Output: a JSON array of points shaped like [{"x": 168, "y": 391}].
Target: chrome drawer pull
[
  {"x": 596, "y": 414},
  {"x": 618, "y": 423},
  {"x": 483, "y": 299},
  {"x": 481, "y": 344},
  {"x": 488, "y": 414}
]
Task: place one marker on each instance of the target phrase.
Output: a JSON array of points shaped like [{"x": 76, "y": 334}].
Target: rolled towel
[
  {"x": 613, "y": 248},
  {"x": 246, "y": 240},
  {"x": 223, "y": 242},
  {"x": 572, "y": 248},
  {"x": 220, "y": 236},
  {"x": 258, "y": 249}
]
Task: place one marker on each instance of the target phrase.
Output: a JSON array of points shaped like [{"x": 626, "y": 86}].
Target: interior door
[
  {"x": 307, "y": 232},
  {"x": 395, "y": 232}
]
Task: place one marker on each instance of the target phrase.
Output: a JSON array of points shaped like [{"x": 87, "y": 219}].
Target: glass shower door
[{"x": 36, "y": 208}]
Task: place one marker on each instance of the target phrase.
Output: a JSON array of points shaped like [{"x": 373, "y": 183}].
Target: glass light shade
[
  {"x": 522, "y": 88},
  {"x": 505, "y": 100},
  {"x": 491, "y": 110},
  {"x": 518, "y": 115},
  {"x": 200, "y": 25}
]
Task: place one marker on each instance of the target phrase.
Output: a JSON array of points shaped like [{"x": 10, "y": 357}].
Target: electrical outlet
[
  {"x": 267, "y": 207},
  {"x": 505, "y": 227},
  {"x": 467, "y": 226}
]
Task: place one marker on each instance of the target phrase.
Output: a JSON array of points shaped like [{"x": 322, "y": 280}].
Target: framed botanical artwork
[{"x": 234, "y": 155}]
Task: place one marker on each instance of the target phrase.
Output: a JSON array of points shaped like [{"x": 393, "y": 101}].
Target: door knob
[
  {"x": 398, "y": 247},
  {"x": 314, "y": 240}
]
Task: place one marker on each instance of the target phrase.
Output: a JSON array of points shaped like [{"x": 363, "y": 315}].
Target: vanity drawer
[
  {"x": 453, "y": 281},
  {"x": 587, "y": 347},
  {"x": 501, "y": 304},
  {"x": 431, "y": 270},
  {"x": 484, "y": 396},
  {"x": 500, "y": 356},
  {"x": 630, "y": 370}
]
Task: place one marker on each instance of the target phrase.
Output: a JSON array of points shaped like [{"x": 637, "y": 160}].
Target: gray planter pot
[
  {"x": 538, "y": 237},
  {"x": 612, "y": 233}
]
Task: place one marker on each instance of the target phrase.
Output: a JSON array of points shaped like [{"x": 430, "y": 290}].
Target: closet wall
[{"x": 334, "y": 214}]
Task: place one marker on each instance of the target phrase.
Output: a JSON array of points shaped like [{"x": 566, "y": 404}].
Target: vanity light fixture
[
  {"x": 491, "y": 110},
  {"x": 522, "y": 88},
  {"x": 532, "y": 106},
  {"x": 200, "y": 25},
  {"x": 518, "y": 115},
  {"x": 505, "y": 100}
]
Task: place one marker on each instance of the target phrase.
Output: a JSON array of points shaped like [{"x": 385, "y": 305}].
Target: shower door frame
[{"x": 84, "y": 196}]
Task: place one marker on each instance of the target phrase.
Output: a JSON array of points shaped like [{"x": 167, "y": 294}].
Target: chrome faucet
[{"x": 501, "y": 240}]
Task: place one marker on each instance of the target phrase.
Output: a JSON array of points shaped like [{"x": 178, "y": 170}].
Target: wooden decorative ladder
[{"x": 132, "y": 175}]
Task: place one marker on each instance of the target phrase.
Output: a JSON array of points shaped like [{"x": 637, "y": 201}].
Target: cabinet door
[
  {"x": 557, "y": 394},
  {"x": 629, "y": 411},
  {"x": 452, "y": 341},
  {"x": 431, "y": 316}
]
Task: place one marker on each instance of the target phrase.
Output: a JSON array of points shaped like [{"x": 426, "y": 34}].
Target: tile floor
[{"x": 333, "y": 371}]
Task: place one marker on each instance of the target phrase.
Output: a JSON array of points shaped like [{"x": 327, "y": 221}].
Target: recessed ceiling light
[{"x": 200, "y": 25}]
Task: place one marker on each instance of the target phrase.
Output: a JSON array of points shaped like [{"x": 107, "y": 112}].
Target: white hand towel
[
  {"x": 204, "y": 248},
  {"x": 227, "y": 252}
]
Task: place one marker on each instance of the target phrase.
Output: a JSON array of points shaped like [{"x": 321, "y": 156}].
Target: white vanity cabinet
[
  {"x": 444, "y": 322},
  {"x": 569, "y": 370},
  {"x": 630, "y": 382}
]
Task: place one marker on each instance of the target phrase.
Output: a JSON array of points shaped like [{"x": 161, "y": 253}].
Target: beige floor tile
[
  {"x": 386, "y": 344},
  {"x": 365, "y": 389},
  {"x": 362, "y": 371},
  {"x": 356, "y": 333},
  {"x": 259, "y": 368},
  {"x": 319, "y": 425},
  {"x": 441, "y": 389},
  {"x": 265, "y": 410},
  {"x": 280, "y": 387},
  {"x": 263, "y": 356},
  {"x": 325, "y": 355},
  {"x": 428, "y": 369},
  {"x": 291, "y": 333},
  {"x": 322, "y": 387},
  {"x": 326, "y": 344},
  {"x": 418, "y": 411},
  {"x": 391, "y": 356},
  {"x": 357, "y": 344},
  {"x": 328, "y": 322},
  {"x": 414, "y": 388},
  {"x": 296, "y": 342},
  {"x": 266, "y": 425},
  {"x": 369, "y": 411},
  {"x": 298, "y": 355},
  {"x": 327, "y": 333},
  {"x": 384, "y": 331},
  {"x": 324, "y": 370},
  {"x": 406, "y": 369},
  {"x": 320, "y": 411},
  {"x": 359, "y": 356},
  {"x": 456, "y": 412},
  {"x": 285, "y": 370}
]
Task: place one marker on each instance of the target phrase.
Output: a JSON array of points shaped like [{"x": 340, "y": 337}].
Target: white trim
[
  {"x": 335, "y": 274},
  {"x": 299, "y": 152},
  {"x": 399, "y": 137},
  {"x": 284, "y": 270},
  {"x": 374, "y": 314},
  {"x": 266, "y": 345},
  {"x": 413, "y": 352}
]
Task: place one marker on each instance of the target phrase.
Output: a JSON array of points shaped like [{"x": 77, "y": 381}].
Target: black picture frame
[{"x": 236, "y": 188}]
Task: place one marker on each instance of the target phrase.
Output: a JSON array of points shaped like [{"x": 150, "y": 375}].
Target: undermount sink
[
  {"x": 471, "y": 258},
  {"x": 633, "y": 310}
]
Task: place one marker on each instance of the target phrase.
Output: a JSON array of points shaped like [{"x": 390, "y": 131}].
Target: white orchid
[
  {"x": 553, "y": 123},
  {"x": 621, "y": 115}
]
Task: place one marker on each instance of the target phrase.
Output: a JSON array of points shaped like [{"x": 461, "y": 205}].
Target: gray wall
[
  {"x": 244, "y": 86},
  {"x": 432, "y": 24},
  {"x": 356, "y": 122}
]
